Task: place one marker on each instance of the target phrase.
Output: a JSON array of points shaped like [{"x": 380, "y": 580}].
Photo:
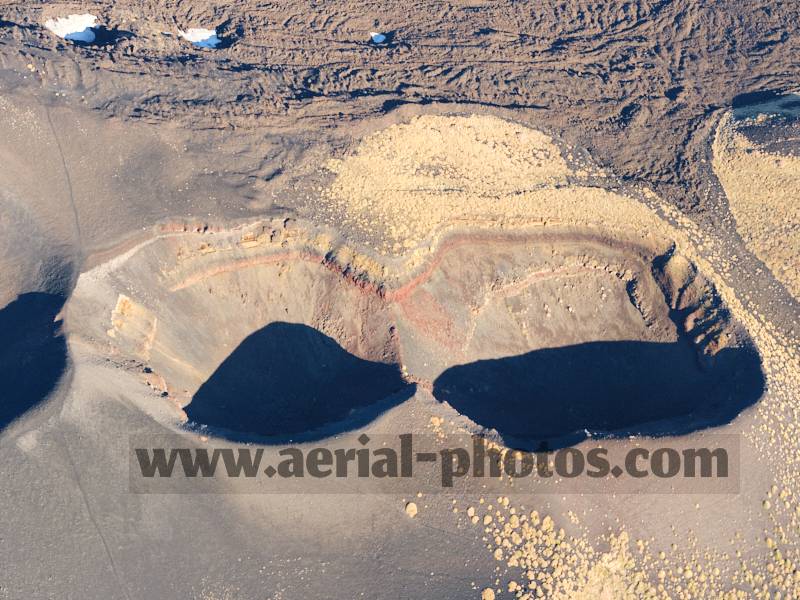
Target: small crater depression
[{"x": 84, "y": 30}]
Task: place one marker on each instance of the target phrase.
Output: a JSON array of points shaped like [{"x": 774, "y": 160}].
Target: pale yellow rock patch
[{"x": 763, "y": 191}]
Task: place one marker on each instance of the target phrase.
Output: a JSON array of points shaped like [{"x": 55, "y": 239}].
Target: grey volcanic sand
[{"x": 143, "y": 139}]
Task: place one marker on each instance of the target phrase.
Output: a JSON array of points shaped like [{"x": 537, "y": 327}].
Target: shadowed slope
[
  {"x": 33, "y": 353},
  {"x": 548, "y": 398},
  {"x": 291, "y": 379}
]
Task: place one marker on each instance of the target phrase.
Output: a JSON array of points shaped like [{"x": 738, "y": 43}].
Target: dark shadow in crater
[
  {"x": 105, "y": 36},
  {"x": 674, "y": 93},
  {"x": 228, "y": 33},
  {"x": 33, "y": 353},
  {"x": 547, "y": 399},
  {"x": 750, "y": 98},
  {"x": 291, "y": 382}
]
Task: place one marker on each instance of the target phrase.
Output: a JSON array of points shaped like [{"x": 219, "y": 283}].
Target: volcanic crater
[{"x": 544, "y": 335}]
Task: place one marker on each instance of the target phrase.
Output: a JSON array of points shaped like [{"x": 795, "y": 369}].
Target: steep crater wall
[{"x": 277, "y": 330}]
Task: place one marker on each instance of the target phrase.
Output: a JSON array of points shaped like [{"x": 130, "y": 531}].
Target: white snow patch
[
  {"x": 377, "y": 38},
  {"x": 203, "y": 38},
  {"x": 76, "y": 28}
]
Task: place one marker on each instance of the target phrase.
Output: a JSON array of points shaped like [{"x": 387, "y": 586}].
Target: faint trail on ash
[
  {"x": 68, "y": 179},
  {"x": 85, "y": 498}
]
